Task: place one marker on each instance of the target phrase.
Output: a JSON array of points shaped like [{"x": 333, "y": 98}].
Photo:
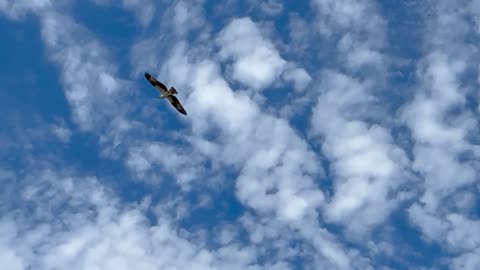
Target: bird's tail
[{"x": 173, "y": 90}]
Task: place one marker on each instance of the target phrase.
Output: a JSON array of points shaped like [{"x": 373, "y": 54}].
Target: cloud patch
[{"x": 256, "y": 62}]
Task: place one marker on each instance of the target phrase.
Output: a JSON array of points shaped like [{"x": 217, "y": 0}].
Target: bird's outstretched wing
[
  {"x": 158, "y": 85},
  {"x": 174, "y": 101}
]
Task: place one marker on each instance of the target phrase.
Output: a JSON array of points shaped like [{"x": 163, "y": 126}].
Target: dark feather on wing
[{"x": 176, "y": 103}]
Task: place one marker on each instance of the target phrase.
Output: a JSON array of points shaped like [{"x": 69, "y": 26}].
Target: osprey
[{"x": 164, "y": 93}]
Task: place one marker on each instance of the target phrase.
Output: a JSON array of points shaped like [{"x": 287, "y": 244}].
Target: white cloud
[
  {"x": 298, "y": 76},
  {"x": 474, "y": 9},
  {"x": 441, "y": 124},
  {"x": 256, "y": 62},
  {"x": 361, "y": 31},
  {"x": 267, "y": 163},
  {"x": 271, "y": 7},
  {"x": 62, "y": 131},
  {"x": 8, "y": 255},
  {"x": 464, "y": 234},
  {"x": 188, "y": 15},
  {"x": 150, "y": 158},
  {"x": 16, "y": 9},
  {"x": 440, "y": 136},
  {"x": 344, "y": 15},
  {"x": 79, "y": 224},
  {"x": 144, "y": 10},
  {"x": 270, "y": 157},
  {"x": 90, "y": 84},
  {"x": 299, "y": 32},
  {"x": 467, "y": 261},
  {"x": 358, "y": 55},
  {"x": 367, "y": 167}
]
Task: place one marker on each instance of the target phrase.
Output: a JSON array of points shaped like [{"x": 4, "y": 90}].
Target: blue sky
[{"x": 327, "y": 134}]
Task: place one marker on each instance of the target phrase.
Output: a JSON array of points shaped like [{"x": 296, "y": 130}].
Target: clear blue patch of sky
[
  {"x": 410, "y": 246},
  {"x": 29, "y": 79}
]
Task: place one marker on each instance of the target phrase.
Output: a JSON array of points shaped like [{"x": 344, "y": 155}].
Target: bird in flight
[{"x": 164, "y": 93}]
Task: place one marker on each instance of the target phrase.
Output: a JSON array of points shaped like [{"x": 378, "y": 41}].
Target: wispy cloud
[
  {"x": 442, "y": 124},
  {"x": 367, "y": 166},
  {"x": 17, "y": 9},
  {"x": 144, "y": 10},
  {"x": 76, "y": 223}
]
